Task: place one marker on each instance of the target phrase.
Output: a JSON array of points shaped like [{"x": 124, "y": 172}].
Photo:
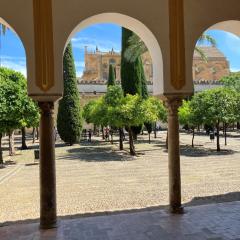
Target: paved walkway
[
  {"x": 98, "y": 178},
  {"x": 210, "y": 222}
]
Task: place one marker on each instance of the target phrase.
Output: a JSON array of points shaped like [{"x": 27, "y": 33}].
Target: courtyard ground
[{"x": 97, "y": 177}]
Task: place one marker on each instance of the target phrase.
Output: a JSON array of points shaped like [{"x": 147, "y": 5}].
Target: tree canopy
[{"x": 69, "y": 119}]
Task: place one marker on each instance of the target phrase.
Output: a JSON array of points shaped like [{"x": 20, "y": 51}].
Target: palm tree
[
  {"x": 3, "y": 30},
  {"x": 137, "y": 47},
  {"x": 203, "y": 39}
]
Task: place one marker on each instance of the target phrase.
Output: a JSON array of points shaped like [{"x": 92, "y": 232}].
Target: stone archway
[
  {"x": 230, "y": 26},
  {"x": 141, "y": 30}
]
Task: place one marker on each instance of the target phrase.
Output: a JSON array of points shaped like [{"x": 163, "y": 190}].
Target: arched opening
[
  {"x": 108, "y": 192},
  {"x": 210, "y": 118},
  {"x": 141, "y": 30},
  {"x": 16, "y": 123}
]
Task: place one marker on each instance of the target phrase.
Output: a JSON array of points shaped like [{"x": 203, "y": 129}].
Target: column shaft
[
  {"x": 174, "y": 156},
  {"x": 48, "y": 218}
]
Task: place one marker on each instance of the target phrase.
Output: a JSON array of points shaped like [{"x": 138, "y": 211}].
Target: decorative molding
[
  {"x": 177, "y": 43},
  {"x": 43, "y": 37}
]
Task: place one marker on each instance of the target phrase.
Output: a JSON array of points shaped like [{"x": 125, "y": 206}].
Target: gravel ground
[{"x": 97, "y": 177}]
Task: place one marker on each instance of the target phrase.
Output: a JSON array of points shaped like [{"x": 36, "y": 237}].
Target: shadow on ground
[
  {"x": 95, "y": 153},
  {"x": 221, "y": 198},
  {"x": 197, "y": 201},
  {"x": 198, "y": 151}
]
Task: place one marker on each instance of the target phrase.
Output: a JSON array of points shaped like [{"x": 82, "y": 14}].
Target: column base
[
  {"x": 176, "y": 210},
  {"x": 45, "y": 226}
]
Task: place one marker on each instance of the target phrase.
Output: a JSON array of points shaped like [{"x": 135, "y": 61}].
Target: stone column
[
  {"x": 48, "y": 217},
  {"x": 173, "y": 103}
]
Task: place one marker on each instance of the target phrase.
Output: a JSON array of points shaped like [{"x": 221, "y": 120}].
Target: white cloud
[
  {"x": 232, "y": 42},
  {"x": 16, "y": 63},
  {"x": 91, "y": 43},
  {"x": 79, "y": 64},
  {"x": 235, "y": 69},
  {"x": 79, "y": 73}
]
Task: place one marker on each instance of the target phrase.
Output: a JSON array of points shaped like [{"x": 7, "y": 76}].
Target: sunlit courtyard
[{"x": 97, "y": 177}]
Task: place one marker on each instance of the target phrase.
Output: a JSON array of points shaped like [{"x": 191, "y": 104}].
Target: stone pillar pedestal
[
  {"x": 172, "y": 104},
  {"x": 48, "y": 216}
]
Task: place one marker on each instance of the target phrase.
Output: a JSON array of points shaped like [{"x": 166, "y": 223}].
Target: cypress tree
[
  {"x": 131, "y": 80},
  {"x": 111, "y": 76},
  {"x": 130, "y": 71},
  {"x": 145, "y": 93},
  {"x": 69, "y": 119}
]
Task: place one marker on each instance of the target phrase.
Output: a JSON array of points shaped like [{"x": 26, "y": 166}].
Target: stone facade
[
  {"x": 214, "y": 69},
  {"x": 97, "y": 66}
]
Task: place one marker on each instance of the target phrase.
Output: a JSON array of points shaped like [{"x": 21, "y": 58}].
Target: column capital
[
  {"x": 172, "y": 103},
  {"x": 47, "y": 108}
]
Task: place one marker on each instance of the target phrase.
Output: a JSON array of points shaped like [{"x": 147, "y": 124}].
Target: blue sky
[{"x": 105, "y": 36}]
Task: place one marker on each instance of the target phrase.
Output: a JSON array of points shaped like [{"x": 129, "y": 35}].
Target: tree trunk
[
  {"x": 24, "y": 145},
  {"x": 37, "y": 133},
  {"x": 34, "y": 135},
  {"x": 120, "y": 139},
  {"x": 103, "y": 136},
  {"x": 238, "y": 125},
  {"x": 167, "y": 140},
  {"x": 131, "y": 143},
  {"x": 111, "y": 138},
  {"x": 11, "y": 143},
  {"x": 218, "y": 142},
  {"x": 193, "y": 135},
  {"x": 134, "y": 136},
  {"x": 149, "y": 138},
  {"x": 225, "y": 133},
  {"x": 1, "y": 153},
  {"x": 155, "y": 130}
]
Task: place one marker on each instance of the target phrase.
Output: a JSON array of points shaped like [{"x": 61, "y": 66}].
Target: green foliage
[
  {"x": 145, "y": 93},
  {"x": 69, "y": 120},
  {"x": 118, "y": 111},
  {"x": 209, "y": 107},
  {"x": 3, "y": 29},
  {"x": 110, "y": 109},
  {"x": 17, "y": 110},
  {"x": 136, "y": 47},
  {"x": 232, "y": 81},
  {"x": 111, "y": 76},
  {"x": 88, "y": 111},
  {"x": 131, "y": 74}
]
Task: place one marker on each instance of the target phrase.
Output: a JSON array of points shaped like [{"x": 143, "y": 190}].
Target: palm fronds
[
  {"x": 136, "y": 48},
  {"x": 201, "y": 53},
  {"x": 3, "y": 29},
  {"x": 207, "y": 38}
]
